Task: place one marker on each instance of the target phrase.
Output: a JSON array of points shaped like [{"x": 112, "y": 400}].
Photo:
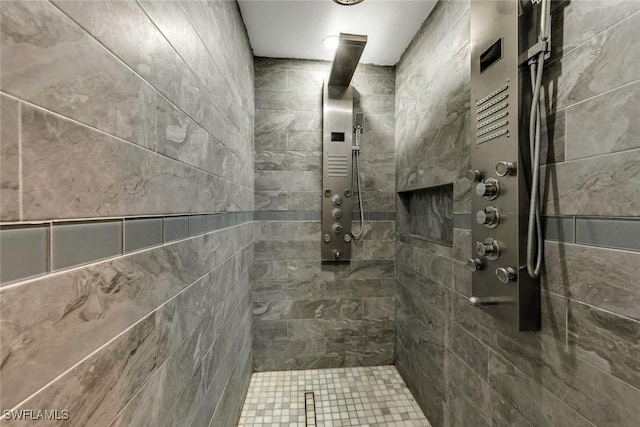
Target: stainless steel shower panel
[
  {"x": 500, "y": 195},
  {"x": 337, "y": 197}
]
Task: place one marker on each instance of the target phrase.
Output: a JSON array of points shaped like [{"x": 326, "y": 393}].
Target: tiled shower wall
[
  {"x": 305, "y": 314},
  {"x": 112, "y": 111},
  {"x": 582, "y": 369}
]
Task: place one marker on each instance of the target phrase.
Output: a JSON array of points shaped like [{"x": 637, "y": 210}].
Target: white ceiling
[{"x": 295, "y": 28}]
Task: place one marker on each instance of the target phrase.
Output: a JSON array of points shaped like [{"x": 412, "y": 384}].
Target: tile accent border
[
  {"x": 615, "y": 233},
  {"x": 317, "y": 216},
  {"x": 189, "y": 226}
]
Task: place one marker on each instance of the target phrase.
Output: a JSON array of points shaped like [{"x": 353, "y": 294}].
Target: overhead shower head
[{"x": 348, "y": 2}]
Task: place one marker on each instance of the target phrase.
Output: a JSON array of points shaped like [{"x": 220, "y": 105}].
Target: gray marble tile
[
  {"x": 268, "y": 79},
  {"x": 289, "y": 100},
  {"x": 292, "y": 64},
  {"x": 286, "y": 230},
  {"x": 579, "y": 187},
  {"x": 71, "y": 74},
  {"x": 305, "y": 200},
  {"x": 379, "y": 307},
  {"x": 586, "y": 135},
  {"x": 284, "y": 250},
  {"x": 601, "y": 277},
  {"x": 96, "y": 303},
  {"x": 270, "y": 330},
  {"x": 288, "y": 348},
  {"x": 311, "y": 81},
  {"x": 325, "y": 308},
  {"x": 471, "y": 351},
  {"x": 124, "y": 179},
  {"x": 578, "y": 22},
  {"x": 290, "y": 289},
  {"x": 288, "y": 180},
  {"x": 605, "y": 340},
  {"x": 182, "y": 139},
  {"x": 288, "y": 120},
  {"x": 271, "y": 140},
  {"x": 597, "y": 66},
  {"x": 535, "y": 402},
  {"x": 9, "y": 152},
  {"x": 374, "y": 104},
  {"x": 271, "y": 200},
  {"x": 97, "y": 388},
  {"x": 288, "y": 160},
  {"x": 304, "y": 140},
  {"x": 225, "y": 91}
]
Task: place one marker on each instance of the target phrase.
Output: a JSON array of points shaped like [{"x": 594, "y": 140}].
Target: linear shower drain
[{"x": 309, "y": 409}]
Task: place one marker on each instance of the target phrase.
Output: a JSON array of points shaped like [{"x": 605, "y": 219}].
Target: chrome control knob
[
  {"x": 505, "y": 274},
  {"x": 474, "y": 264},
  {"x": 483, "y": 301},
  {"x": 504, "y": 168},
  {"x": 347, "y": 237},
  {"x": 336, "y": 213},
  {"x": 337, "y": 228},
  {"x": 327, "y": 238},
  {"x": 489, "y": 248},
  {"x": 472, "y": 175},
  {"x": 336, "y": 199},
  {"x": 489, "y": 217},
  {"x": 489, "y": 189}
]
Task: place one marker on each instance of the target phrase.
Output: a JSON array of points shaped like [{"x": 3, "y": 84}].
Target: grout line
[
  {"x": 112, "y": 340},
  {"x": 606, "y": 92},
  {"x": 184, "y": 340},
  {"x": 186, "y": 64},
  {"x": 564, "y": 53},
  {"x": 58, "y": 115},
  {"x": 91, "y": 36},
  {"x": 20, "y": 178}
]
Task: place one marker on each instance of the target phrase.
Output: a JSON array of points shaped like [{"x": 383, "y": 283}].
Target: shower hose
[
  {"x": 356, "y": 154},
  {"x": 534, "y": 227}
]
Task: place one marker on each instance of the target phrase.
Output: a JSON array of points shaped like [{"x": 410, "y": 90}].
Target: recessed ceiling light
[
  {"x": 348, "y": 2},
  {"x": 330, "y": 42}
]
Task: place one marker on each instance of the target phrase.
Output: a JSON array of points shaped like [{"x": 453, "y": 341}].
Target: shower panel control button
[
  {"x": 347, "y": 237},
  {"x": 474, "y": 264},
  {"x": 489, "y": 217},
  {"x": 337, "y": 228},
  {"x": 327, "y": 238},
  {"x": 489, "y": 248},
  {"x": 347, "y": 193},
  {"x": 489, "y": 189},
  {"x": 327, "y": 193},
  {"x": 336, "y": 213},
  {"x": 336, "y": 254},
  {"x": 504, "y": 168},
  {"x": 472, "y": 175},
  {"x": 337, "y": 199},
  {"x": 505, "y": 274}
]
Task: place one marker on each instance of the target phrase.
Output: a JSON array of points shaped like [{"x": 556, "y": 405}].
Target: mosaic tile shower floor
[{"x": 370, "y": 396}]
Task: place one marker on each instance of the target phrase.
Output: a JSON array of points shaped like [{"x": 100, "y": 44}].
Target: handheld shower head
[{"x": 358, "y": 122}]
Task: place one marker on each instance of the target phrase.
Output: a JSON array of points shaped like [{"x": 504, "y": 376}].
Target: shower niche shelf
[{"x": 427, "y": 214}]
